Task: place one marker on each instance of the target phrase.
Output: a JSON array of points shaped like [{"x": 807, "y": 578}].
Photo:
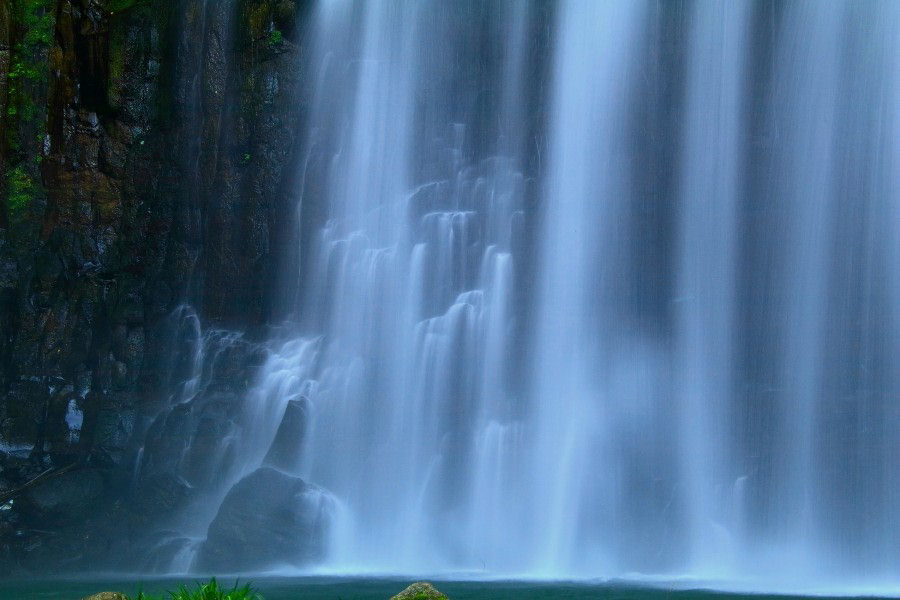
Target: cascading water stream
[
  {"x": 409, "y": 292},
  {"x": 580, "y": 314},
  {"x": 602, "y": 289}
]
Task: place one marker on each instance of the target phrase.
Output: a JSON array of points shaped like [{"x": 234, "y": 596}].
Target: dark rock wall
[{"x": 147, "y": 157}]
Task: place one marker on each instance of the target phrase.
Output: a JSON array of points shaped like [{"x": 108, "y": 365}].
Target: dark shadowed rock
[
  {"x": 267, "y": 518},
  {"x": 70, "y": 493},
  {"x": 161, "y": 493},
  {"x": 284, "y": 453}
]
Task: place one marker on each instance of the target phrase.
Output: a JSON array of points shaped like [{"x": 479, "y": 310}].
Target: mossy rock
[
  {"x": 421, "y": 590},
  {"x": 107, "y": 596}
]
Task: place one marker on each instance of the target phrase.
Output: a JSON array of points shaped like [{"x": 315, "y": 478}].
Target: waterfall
[
  {"x": 596, "y": 289},
  {"x": 709, "y": 192},
  {"x": 408, "y": 286},
  {"x": 580, "y": 313}
]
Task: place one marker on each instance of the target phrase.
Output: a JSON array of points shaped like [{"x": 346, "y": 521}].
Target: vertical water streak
[
  {"x": 711, "y": 182},
  {"x": 891, "y": 137},
  {"x": 857, "y": 410},
  {"x": 804, "y": 107},
  {"x": 578, "y": 316}
]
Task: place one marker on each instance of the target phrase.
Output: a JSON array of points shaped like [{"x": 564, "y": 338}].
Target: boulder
[
  {"x": 284, "y": 453},
  {"x": 421, "y": 590},
  {"x": 267, "y": 518},
  {"x": 159, "y": 494}
]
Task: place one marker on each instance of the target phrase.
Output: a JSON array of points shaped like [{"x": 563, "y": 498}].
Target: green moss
[
  {"x": 35, "y": 18},
  {"x": 421, "y": 590},
  {"x": 20, "y": 190},
  {"x": 276, "y": 38},
  {"x": 28, "y": 69}
]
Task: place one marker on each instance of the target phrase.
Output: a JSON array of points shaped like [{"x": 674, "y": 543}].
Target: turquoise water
[{"x": 320, "y": 588}]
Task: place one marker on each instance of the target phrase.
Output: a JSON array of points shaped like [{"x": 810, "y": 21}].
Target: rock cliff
[{"x": 145, "y": 156}]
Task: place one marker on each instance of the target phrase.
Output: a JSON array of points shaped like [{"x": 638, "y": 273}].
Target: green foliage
[
  {"x": 36, "y": 19},
  {"x": 20, "y": 189},
  {"x": 28, "y": 68},
  {"x": 276, "y": 38},
  {"x": 209, "y": 591}
]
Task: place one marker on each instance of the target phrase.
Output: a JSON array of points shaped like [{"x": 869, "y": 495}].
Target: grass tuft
[{"x": 209, "y": 591}]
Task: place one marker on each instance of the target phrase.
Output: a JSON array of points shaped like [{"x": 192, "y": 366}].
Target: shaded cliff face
[{"x": 145, "y": 152}]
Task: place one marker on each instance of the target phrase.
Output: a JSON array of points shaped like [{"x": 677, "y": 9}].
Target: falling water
[
  {"x": 409, "y": 286},
  {"x": 596, "y": 289}
]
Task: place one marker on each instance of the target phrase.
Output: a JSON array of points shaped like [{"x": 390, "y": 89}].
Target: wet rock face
[
  {"x": 71, "y": 494},
  {"x": 77, "y": 311},
  {"x": 267, "y": 518},
  {"x": 155, "y": 168}
]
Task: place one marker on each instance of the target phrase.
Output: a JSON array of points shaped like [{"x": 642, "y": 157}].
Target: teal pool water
[{"x": 330, "y": 588}]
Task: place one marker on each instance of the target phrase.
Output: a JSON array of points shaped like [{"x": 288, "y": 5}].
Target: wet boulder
[
  {"x": 160, "y": 494},
  {"x": 268, "y": 518},
  {"x": 284, "y": 453}
]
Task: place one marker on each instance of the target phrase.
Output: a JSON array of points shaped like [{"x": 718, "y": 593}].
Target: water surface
[{"x": 333, "y": 588}]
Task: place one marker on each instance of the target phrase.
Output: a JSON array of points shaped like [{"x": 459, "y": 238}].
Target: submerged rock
[
  {"x": 267, "y": 518},
  {"x": 421, "y": 590},
  {"x": 107, "y": 596}
]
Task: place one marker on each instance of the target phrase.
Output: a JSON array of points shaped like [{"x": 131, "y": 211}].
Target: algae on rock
[{"x": 421, "y": 590}]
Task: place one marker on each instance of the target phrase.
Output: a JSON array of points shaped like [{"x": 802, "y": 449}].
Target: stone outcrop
[
  {"x": 267, "y": 518},
  {"x": 286, "y": 448}
]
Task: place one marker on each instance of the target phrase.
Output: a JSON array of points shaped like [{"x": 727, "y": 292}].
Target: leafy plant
[
  {"x": 27, "y": 63},
  {"x": 276, "y": 37},
  {"x": 20, "y": 189},
  {"x": 32, "y": 28},
  {"x": 209, "y": 591}
]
